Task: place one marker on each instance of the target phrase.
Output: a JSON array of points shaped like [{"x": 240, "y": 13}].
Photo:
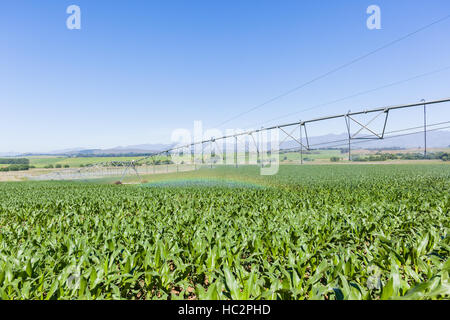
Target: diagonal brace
[
  {"x": 366, "y": 126},
  {"x": 295, "y": 139}
]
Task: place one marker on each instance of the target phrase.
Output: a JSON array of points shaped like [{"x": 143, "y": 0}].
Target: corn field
[{"x": 313, "y": 232}]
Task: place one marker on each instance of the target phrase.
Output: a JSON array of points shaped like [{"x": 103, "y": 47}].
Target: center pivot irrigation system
[{"x": 289, "y": 130}]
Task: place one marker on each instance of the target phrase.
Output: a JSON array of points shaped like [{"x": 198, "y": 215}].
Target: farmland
[
  {"x": 311, "y": 232},
  {"x": 316, "y": 156},
  {"x": 42, "y": 161}
]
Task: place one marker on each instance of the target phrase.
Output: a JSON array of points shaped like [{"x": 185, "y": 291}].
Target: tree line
[{"x": 14, "y": 161}]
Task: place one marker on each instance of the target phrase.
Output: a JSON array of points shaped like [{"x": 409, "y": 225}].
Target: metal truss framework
[
  {"x": 349, "y": 118},
  {"x": 288, "y": 129}
]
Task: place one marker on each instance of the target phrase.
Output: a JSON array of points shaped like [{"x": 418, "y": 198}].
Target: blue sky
[{"x": 137, "y": 70}]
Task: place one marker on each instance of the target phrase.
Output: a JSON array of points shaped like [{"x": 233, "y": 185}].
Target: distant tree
[
  {"x": 335, "y": 159},
  {"x": 58, "y": 166},
  {"x": 66, "y": 166},
  {"x": 14, "y": 161},
  {"x": 16, "y": 167}
]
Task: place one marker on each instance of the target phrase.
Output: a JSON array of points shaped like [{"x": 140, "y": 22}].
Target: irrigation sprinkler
[{"x": 349, "y": 117}]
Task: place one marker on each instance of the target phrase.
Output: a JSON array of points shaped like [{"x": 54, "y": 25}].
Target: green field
[
  {"x": 312, "y": 155},
  {"x": 41, "y": 162},
  {"x": 311, "y": 232}
]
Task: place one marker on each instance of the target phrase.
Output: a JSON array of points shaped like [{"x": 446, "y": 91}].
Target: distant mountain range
[
  {"x": 133, "y": 149},
  {"x": 435, "y": 139}
]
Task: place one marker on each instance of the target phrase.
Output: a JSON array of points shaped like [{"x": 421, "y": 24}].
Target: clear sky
[{"x": 137, "y": 70}]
